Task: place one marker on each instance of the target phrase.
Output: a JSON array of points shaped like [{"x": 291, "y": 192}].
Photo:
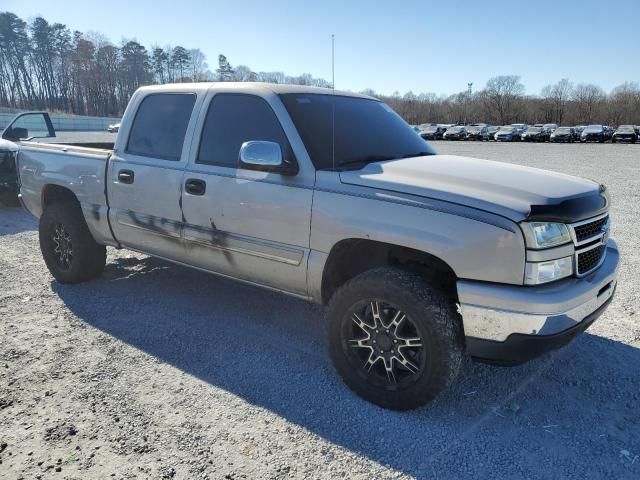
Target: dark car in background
[
  {"x": 595, "y": 133},
  {"x": 564, "y": 135},
  {"x": 508, "y": 133},
  {"x": 535, "y": 134},
  {"x": 478, "y": 132},
  {"x": 625, "y": 133},
  {"x": 433, "y": 132},
  {"x": 457, "y": 132}
]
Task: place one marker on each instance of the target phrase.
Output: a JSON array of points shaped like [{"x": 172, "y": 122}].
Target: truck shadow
[
  {"x": 15, "y": 220},
  {"x": 271, "y": 351}
]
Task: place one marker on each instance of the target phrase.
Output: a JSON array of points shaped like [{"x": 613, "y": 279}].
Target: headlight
[
  {"x": 544, "y": 272},
  {"x": 544, "y": 235}
]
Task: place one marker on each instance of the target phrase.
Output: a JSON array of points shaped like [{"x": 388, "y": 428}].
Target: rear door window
[{"x": 160, "y": 125}]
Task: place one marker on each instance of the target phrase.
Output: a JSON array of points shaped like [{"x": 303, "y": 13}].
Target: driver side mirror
[
  {"x": 265, "y": 156},
  {"x": 15, "y": 134}
]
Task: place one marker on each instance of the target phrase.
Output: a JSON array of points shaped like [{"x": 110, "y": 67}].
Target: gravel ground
[{"x": 158, "y": 371}]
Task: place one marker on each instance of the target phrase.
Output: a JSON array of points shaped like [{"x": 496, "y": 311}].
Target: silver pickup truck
[{"x": 332, "y": 197}]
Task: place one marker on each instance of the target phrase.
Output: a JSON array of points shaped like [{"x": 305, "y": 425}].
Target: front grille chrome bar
[
  {"x": 603, "y": 230},
  {"x": 599, "y": 239}
]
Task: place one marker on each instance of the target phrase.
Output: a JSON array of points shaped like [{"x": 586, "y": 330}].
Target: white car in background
[{"x": 114, "y": 127}]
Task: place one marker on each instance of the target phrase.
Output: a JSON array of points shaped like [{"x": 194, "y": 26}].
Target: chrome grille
[
  {"x": 590, "y": 238},
  {"x": 591, "y": 229}
]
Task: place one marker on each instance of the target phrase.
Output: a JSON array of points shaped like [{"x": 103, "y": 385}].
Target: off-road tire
[
  {"x": 436, "y": 320},
  {"x": 89, "y": 258}
]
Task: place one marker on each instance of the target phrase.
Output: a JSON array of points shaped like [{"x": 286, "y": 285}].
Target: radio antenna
[{"x": 333, "y": 103}]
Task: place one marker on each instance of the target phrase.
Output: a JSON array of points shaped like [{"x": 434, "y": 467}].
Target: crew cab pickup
[{"x": 332, "y": 197}]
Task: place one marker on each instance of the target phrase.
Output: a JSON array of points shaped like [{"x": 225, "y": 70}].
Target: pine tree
[
  {"x": 225, "y": 72},
  {"x": 180, "y": 59}
]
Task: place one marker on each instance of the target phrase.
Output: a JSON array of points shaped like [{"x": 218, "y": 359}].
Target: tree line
[
  {"x": 47, "y": 66},
  {"x": 503, "y": 101}
]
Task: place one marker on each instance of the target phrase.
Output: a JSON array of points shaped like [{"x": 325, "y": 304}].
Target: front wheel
[
  {"x": 68, "y": 248},
  {"x": 395, "y": 340}
]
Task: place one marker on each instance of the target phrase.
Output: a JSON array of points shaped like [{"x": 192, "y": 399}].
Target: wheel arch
[
  {"x": 352, "y": 256},
  {"x": 53, "y": 193}
]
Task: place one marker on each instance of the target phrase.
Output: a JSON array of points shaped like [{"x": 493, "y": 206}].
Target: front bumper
[
  {"x": 512, "y": 324},
  {"x": 629, "y": 139}
]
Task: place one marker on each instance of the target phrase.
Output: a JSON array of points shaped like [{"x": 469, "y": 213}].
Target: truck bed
[{"x": 48, "y": 168}]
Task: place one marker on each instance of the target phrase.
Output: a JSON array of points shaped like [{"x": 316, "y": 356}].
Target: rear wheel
[
  {"x": 68, "y": 248},
  {"x": 395, "y": 340}
]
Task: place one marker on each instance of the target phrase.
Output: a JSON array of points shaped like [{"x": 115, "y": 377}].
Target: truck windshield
[{"x": 365, "y": 130}]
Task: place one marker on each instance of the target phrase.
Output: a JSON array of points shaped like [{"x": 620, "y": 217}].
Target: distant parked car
[
  {"x": 455, "y": 133},
  {"x": 579, "y": 129},
  {"x": 522, "y": 127},
  {"x": 625, "y": 133},
  {"x": 114, "y": 127},
  {"x": 433, "y": 132},
  {"x": 508, "y": 133},
  {"x": 551, "y": 127},
  {"x": 535, "y": 134},
  {"x": 492, "y": 132},
  {"x": 478, "y": 132},
  {"x": 564, "y": 134},
  {"x": 594, "y": 133}
]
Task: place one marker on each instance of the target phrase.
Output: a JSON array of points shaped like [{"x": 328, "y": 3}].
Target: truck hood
[{"x": 512, "y": 191}]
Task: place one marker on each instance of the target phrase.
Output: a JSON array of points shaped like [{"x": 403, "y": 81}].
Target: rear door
[
  {"x": 244, "y": 223},
  {"x": 145, "y": 173}
]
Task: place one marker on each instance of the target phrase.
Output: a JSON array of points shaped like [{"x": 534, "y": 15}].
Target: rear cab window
[{"x": 160, "y": 125}]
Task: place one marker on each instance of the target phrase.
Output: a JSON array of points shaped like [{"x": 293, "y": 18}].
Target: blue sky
[{"x": 422, "y": 46}]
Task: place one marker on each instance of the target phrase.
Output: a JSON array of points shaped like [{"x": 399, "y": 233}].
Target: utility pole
[{"x": 466, "y": 103}]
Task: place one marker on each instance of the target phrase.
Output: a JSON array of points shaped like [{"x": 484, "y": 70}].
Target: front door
[{"x": 243, "y": 223}]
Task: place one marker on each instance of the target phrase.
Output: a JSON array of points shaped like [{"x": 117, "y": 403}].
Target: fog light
[{"x": 544, "y": 272}]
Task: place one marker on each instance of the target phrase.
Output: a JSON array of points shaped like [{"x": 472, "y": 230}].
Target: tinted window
[
  {"x": 233, "y": 119},
  {"x": 160, "y": 125},
  {"x": 365, "y": 130}
]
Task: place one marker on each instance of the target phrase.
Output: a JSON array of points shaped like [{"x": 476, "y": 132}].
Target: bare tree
[
  {"x": 502, "y": 96},
  {"x": 624, "y": 104},
  {"x": 199, "y": 69},
  {"x": 556, "y": 98},
  {"x": 588, "y": 100}
]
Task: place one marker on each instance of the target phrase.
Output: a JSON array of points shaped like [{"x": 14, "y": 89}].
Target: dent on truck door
[
  {"x": 246, "y": 224},
  {"x": 145, "y": 179}
]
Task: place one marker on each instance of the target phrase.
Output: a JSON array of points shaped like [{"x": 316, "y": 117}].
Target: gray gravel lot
[{"x": 158, "y": 371}]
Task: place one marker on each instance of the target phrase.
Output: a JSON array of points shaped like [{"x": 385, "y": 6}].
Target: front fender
[{"x": 476, "y": 245}]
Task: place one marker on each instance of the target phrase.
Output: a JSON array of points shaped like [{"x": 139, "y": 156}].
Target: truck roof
[{"x": 250, "y": 87}]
